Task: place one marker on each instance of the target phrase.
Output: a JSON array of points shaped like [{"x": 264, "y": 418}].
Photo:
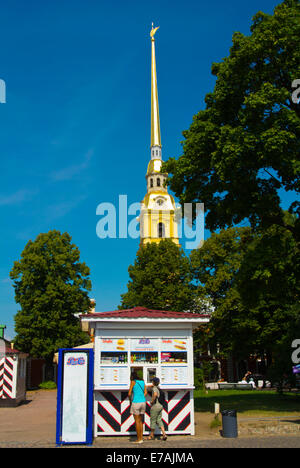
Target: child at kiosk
[
  {"x": 156, "y": 411},
  {"x": 137, "y": 394}
]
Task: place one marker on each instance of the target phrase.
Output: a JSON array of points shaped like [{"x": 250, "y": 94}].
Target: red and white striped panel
[
  {"x": 108, "y": 413},
  {"x": 113, "y": 413},
  {"x": 127, "y": 420},
  {"x": 6, "y": 377},
  {"x": 179, "y": 411},
  {"x": 1, "y": 375}
]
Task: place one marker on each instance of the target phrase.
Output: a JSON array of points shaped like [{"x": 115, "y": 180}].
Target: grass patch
[
  {"x": 215, "y": 422},
  {"x": 265, "y": 403}
]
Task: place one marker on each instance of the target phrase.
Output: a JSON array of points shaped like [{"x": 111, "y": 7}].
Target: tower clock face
[{"x": 160, "y": 202}]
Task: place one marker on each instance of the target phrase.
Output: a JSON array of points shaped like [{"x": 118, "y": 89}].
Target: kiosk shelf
[
  {"x": 174, "y": 357},
  {"x": 144, "y": 357},
  {"x": 113, "y": 357}
]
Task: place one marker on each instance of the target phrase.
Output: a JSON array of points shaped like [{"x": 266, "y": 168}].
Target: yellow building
[{"x": 158, "y": 210}]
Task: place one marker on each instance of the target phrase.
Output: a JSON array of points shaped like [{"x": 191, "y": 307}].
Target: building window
[
  {"x": 161, "y": 230},
  {"x": 151, "y": 182},
  {"x": 158, "y": 182}
]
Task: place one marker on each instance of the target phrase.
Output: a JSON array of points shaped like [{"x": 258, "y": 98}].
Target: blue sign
[{"x": 74, "y": 415}]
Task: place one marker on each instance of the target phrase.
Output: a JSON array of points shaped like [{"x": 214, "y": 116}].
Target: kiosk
[
  {"x": 154, "y": 343},
  {"x": 12, "y": 376}
]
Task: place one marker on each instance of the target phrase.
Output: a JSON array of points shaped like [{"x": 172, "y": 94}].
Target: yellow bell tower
[{"x": 158, "y": 210}]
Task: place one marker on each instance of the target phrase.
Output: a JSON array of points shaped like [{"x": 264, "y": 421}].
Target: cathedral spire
[
  {"x": 155, "y": 125},
  {"x": 157, "y": 217}
]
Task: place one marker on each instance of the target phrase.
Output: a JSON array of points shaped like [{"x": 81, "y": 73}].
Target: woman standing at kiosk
[
  {"x": 156, "y": 411},
  {"x": 137, "y": 394}
]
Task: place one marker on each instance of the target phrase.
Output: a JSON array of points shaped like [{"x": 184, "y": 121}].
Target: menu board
[
  {"x": 74, "y": 403},
  {"x": 114, "y": 376},
  {"x": 172, "y": 375},
  {"x": 144, "y": 344},
  {"x": 113, "y": 344},
  {"x": 168, "y": 344}
]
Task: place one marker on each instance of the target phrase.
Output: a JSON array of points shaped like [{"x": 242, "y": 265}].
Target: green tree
[
  {"x": 215, "y": 269},
  {"x": 160, "y": 278},
  {"x": 280, "y": 371},
  {"x": 242, "y": 152},
  {"x": 51, "y": 286},
  {"x": 268, "y": 283},
  {"x": 251, "y": 280}
]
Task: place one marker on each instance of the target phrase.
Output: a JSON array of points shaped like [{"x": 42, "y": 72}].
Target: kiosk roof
[{"x": 143, "y": 312}]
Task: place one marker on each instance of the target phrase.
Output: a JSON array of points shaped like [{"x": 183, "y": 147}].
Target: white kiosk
[{"x": 154, "y": 343}]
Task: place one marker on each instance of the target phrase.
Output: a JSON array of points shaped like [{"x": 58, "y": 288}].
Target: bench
[{"x": 234, "y": 386}]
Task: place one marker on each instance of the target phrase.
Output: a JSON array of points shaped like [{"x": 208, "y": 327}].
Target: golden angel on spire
[{"x": 153, "y": 31}]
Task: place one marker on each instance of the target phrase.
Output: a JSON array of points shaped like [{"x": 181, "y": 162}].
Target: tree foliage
[
  {"x": 215, "y": 269},
  {"x": 160, "y": 278},
  {"x": 240, "y": 157},
  {"x": 252, "y": 281},
  {"x": 242, "y": 152},
  {"x": 51, "y": 285}
]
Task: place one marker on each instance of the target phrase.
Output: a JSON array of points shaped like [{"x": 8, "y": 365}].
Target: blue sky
[{"x": 75, "y": 128}]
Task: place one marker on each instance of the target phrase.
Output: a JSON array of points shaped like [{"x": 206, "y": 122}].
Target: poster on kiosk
[{"x": 74, "y": 418}]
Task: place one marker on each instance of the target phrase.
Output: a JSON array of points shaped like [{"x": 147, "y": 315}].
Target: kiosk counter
[{"x": 154, "y": 343}]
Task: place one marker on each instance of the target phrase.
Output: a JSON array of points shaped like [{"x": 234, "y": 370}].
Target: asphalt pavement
[{"x": 33, "y": 425}]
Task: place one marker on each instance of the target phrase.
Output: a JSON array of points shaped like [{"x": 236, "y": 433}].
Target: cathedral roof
[{"x": 154, "y": 166}]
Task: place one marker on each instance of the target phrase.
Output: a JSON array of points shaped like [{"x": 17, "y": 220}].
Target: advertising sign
[
  {"x": 74, "y": 397},
  {"x": 113, "y": 344},
  {"x": 296, "y": 369},
  {"x": 168, "y": 344},
  {"x": 144, "y": 344}
]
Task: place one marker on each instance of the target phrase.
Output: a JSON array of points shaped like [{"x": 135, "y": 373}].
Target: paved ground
[{"x": 33, "y": 424}]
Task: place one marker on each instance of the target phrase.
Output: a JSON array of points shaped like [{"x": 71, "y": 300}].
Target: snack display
[{"x": 174, "y": 357}]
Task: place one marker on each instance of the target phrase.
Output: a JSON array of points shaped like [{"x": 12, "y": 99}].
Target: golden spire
[{"x": 155, "y": 125}]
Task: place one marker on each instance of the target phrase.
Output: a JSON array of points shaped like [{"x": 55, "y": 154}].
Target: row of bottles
[
  {"x": 145, "y": 358},
  {"x": 114, "y": 358}
]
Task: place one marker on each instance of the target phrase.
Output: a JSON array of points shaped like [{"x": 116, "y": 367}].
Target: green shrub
[
  {"x": 198, "y": 378},
  {"x": 201, "y": 375},
  {"x": 48, "y": 385}
]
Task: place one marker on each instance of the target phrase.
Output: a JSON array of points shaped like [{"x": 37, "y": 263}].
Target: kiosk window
[
  {"x": 172, "y": 357},
  {"x": 147, "y": 357},
  {"x": 151, "y": 373},
  {"x": 111, "y": 357}
]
